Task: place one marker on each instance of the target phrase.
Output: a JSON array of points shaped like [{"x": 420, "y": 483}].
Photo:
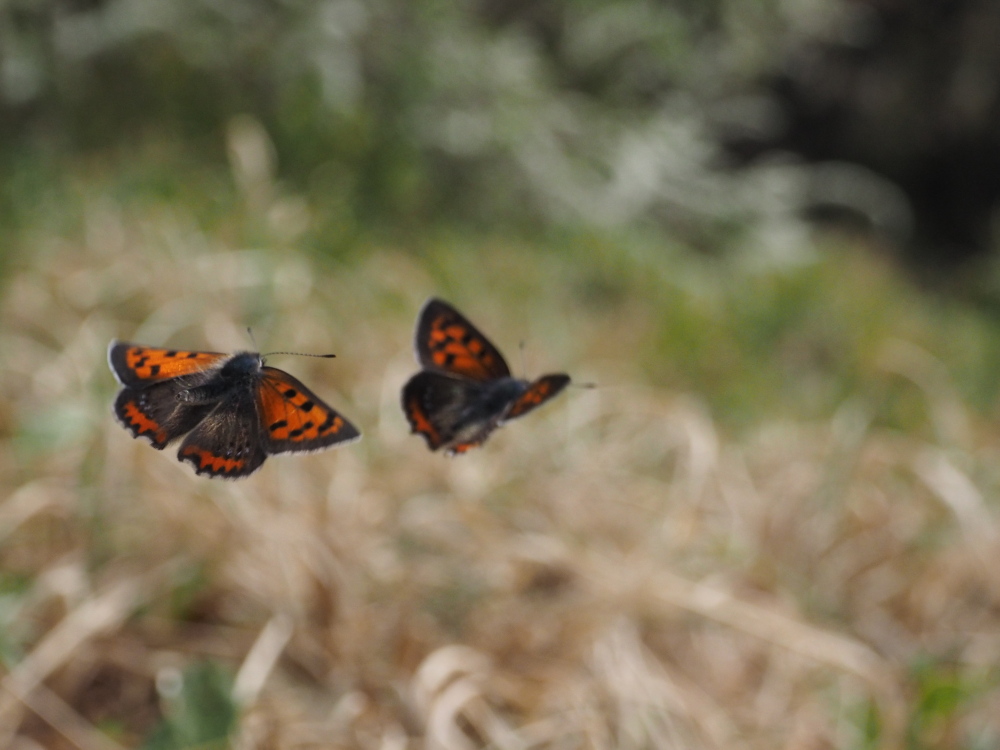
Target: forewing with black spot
[
  {"x": 294, "y": 419},
  {"x": 445, "y": 341},
  {"x": 140, "y": 366}
]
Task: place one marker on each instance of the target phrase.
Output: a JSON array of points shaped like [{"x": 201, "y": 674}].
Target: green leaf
[{"x": 200, "y": 715}]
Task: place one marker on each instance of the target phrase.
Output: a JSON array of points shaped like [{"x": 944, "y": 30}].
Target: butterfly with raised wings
[
  {"x": 465, "y": 390},
  {"x": 234, "y": 410}
]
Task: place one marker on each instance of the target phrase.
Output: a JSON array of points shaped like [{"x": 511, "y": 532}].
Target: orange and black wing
[
  {"x": 154, "y": 413},
  {"x": 422, "y": 410},
  {"x": 447, "y": 342},
  {"x": 139, "y": 366},
  {"x": 537, "y": 394},
  {"x": 294, "y": 419}
]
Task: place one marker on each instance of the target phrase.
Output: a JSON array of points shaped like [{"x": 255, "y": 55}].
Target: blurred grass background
[{"x": 773, "y": 524}]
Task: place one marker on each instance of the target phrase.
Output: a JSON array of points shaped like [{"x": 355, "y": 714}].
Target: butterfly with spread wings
[
  {"x": 234, "y": 410},
  {"x": 465, "y": 390}
]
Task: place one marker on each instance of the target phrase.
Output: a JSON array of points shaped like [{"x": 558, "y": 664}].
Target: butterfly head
[{"x": 242, "y": 364}]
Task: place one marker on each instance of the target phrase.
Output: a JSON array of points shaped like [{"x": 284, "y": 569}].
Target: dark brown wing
[
  {"x": 448, "y": 411},
  {"x": 229, "y": 442}
]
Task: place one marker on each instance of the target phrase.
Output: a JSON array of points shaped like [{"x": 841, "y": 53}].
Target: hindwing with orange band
[
  {"x": 207, "y": 461},
  {"x": 154, "y": 413},
  {"x": 228, "y": 442},
  {"x": 454, "y": 412},
  {"x": 423, "y": 411}
]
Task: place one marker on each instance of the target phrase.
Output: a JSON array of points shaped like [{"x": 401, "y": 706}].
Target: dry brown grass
[{"x": 610, "y": 572}]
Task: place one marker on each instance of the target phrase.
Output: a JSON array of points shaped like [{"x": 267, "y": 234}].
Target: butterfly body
[
  {"x": 239, "y": 372},
  {"x": 465, "y": 390},
  {"x": 234, "y": 410}
]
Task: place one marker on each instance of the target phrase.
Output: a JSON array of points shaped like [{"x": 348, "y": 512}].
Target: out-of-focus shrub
[{"x": 416, "y": 110}]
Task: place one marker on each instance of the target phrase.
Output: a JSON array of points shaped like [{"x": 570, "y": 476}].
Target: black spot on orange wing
[
  {"x": 447, "y": 341},
  {"x": 136, "y": 365},
  {"x": 295, "y": 419},
  {"x": 540, "y": 391}
]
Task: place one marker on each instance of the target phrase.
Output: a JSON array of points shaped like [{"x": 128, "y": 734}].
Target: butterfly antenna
[
  {"x": 520, "y": 348},
  {"x": 252, "y": 339},
  {"x": 301, "y": 354}
]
